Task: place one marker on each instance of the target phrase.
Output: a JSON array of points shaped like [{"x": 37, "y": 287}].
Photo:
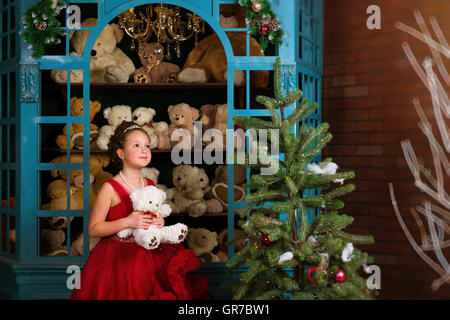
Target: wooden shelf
[
  {"x": 80, "y": 151},
  {"x": 138, "y": 86}
]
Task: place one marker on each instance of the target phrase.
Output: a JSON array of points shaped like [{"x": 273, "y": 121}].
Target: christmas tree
[{"x": 289, "y": 257}]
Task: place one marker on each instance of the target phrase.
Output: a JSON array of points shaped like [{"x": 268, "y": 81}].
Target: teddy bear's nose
[
  {"x": 177, "y": 118},
  {"x": 135, "y": 118},
  {"x": 93, "y": 53}
]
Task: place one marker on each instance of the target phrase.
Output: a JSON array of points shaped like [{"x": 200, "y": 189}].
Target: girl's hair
[{"x": 118, "y": 139}]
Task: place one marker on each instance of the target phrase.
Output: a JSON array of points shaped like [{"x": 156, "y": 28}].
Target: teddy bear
[
  {"x": 219, "y": 185},
  {"x": 191, "y": 184},
  {"x": 107, "y": 63},
  {"x": 57, "y": 189},
  {"x": 240, "y": 241},
  {"x": 150, "y": 199},
  {"x": 51, "y": 242},
  {"x": 157, "y": 131},
  {"x": 115, "y": 116},
  {"x": 202, "y": 242},
  {"x": 207, "y": 62},
  {"x": 154, "y": 69},
  {"x": 153, "y": 174},
  {"x": 76, "y": 129},
  {"x": 182, "y": 116},
  {"x": 76, "y": 248},
  {"x": 100, "y": 176}
]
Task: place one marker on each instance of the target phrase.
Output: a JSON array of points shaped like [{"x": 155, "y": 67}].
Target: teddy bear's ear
[
  {"x": 170, "y": 108},
  {"x": 152, "y": 111},
  {"x": 195, "y": 114},
  {"x": 96, "y": 106},
  {"x": 117, "y": 31},
  {"x": 107, "y": 112}
]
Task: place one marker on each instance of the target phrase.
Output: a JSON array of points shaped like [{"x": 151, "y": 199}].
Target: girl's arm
[{"x": 99, "y": 227}]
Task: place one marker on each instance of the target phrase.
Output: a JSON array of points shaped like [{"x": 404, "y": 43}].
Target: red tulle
[{"x": 124, "y": 270}]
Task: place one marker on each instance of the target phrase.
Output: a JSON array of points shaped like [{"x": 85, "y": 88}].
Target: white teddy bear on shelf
[
  {"x": 115, "y": 116},
  {"x": 150, "y": 199}
]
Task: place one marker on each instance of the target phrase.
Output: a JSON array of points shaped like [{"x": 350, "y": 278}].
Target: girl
[{"x": 119, "y": 268}]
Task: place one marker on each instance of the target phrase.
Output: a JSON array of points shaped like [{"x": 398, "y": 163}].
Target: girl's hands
[
  {"x": 139, "y": 220},
  {"x": 158, "y": 221}
]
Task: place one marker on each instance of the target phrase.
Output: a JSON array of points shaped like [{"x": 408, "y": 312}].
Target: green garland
[
  {"x": 41, "y": 25},
  {"x": 265, "y": 26}
]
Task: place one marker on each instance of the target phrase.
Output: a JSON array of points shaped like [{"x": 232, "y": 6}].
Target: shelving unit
[{"x": 26, "y": 151}]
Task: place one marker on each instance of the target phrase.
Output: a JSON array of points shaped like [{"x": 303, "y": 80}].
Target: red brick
[{"x": 369, "y": 150}]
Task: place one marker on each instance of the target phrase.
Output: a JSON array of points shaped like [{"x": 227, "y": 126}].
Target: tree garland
[
  {"x": 264, "y": 23},
  {"x": 41, "y": 25}
]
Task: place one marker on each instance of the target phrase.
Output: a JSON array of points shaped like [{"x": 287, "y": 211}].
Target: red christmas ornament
[
  {"x": 263, "y": 29},
  {"x": 340, "y": 276},
  {"x": 265, "y": 239}
]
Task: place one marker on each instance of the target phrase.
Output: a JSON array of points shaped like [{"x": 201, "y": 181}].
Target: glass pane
[
  {"x": 4, "y": 96},
  {"x": 53, "y": 190},
  {"x": 12, "y": 146},
  {"x": 53, "y": 141},
  {"x": 4, "y": 144},
  {"x": 12, "y": 234},
  {"x": 12, "y": 45},
  {"x": 76, "y": 236},
  {"x": 53, "y": 95},
  {"x": 52, "y": 236},
  {"x": 12, "y": 94},
  {"x": 12, "y": 11}
]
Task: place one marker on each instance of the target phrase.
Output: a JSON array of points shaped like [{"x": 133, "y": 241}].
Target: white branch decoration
[{"x": 437, "y": 215}]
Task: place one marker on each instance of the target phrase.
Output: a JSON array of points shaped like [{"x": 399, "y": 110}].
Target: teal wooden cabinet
[{"x": 34, "y": 109}]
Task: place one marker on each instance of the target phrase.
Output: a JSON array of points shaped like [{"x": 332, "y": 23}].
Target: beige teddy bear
[
  {"x": 219, "y": 185},
  {"x": 182, "y": 117},
  {"x": 191, "y": 184},
  {"x": 153, "y": 69},
  {"x": 76, "y": 129},
  {"x": 115, "y": 116},
  {"x": 202, "y": 242},
  {"x": 107, "y": 63},
  {"x": 157, "y": 131}
]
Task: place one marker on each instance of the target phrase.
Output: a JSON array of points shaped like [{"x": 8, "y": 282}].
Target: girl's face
[{"x": 136, "y": 150}]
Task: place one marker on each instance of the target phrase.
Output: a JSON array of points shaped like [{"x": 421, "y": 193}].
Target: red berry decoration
[
  {"x": 340, "y": 276},
  {"x": 265, "y": 239},
  {"x": 264, "y": 29}
]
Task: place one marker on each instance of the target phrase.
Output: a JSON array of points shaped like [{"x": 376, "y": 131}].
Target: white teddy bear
[
  {"x": 157, "y": 131},
  {"x": 115, "y": 116},
  {"x": 150, "y": 199},
  {"x": 142, "y": 116}
]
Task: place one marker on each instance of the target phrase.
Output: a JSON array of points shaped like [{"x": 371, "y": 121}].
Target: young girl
[{"x": 119, "y": 268}]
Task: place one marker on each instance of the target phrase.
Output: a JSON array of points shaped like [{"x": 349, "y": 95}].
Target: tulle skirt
[{"x": 123, "y": 270}]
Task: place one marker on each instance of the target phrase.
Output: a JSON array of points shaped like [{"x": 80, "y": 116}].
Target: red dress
[{"x": 121, "y": 269}]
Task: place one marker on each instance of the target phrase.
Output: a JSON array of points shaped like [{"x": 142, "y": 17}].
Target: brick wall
[{"x": 368, "y": 87}]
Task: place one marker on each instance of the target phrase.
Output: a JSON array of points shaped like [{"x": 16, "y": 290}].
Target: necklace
[{"x": 142, "y": 179}]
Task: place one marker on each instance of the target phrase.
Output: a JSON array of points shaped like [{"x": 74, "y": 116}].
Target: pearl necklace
[{"x": 142, "y": 179}]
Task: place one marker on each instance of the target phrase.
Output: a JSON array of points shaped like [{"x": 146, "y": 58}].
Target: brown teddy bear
[
  {"x": 153, "y": 69},
  {"x": 57, "y": 190},
  {"x": 108, "y": 63},
  {"x": 202, "y": 242},
  {"x": 219, "y": 184},
  {"x": 191, "y": 184},
  {"x": 207, "y": 62},
  {"x": 76, "y": 129},
  {"x": 182, "y": 116}
]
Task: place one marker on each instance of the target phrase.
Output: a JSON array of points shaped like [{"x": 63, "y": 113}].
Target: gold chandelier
[{"x": 167, "y": 25}]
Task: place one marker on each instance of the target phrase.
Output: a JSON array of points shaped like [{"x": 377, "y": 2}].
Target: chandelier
[{"x": 164, "y": 22}]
